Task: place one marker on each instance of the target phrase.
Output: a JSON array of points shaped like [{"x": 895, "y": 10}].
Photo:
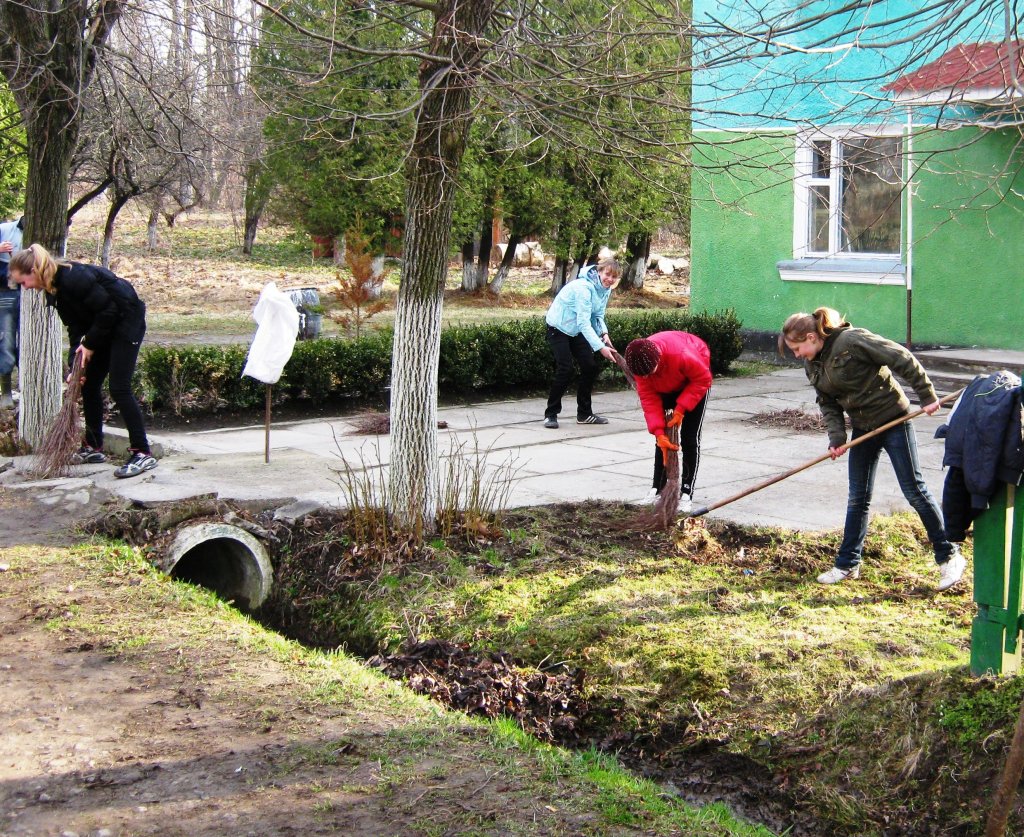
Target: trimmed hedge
[{"x": 474, "y": 359}]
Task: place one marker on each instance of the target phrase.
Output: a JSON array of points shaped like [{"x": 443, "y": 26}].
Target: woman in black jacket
[{"x": 106, "y": 322}]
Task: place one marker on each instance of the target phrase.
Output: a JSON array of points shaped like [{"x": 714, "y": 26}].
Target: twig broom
[
  {"x": 663, "y": 515},
  {"x": 63, "y": 437}
]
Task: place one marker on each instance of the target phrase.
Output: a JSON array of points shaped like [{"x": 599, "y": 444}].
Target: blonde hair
[
  {"x": 37, "y": 258},
  {"x": 797, "y": 326},
  {"x": 614, "y": 267}
]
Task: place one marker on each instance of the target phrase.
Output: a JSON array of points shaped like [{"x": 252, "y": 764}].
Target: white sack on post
[{"x": 278, "y": 325}]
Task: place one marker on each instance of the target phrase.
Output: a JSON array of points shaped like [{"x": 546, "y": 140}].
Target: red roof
[{"x": 966, "y": 67}]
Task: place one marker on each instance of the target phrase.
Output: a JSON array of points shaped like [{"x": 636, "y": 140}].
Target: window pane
[
  {"x": 821, "y": 158},
  {"x": 817, "y": 220},
  {"x": 871, "y": 189}
]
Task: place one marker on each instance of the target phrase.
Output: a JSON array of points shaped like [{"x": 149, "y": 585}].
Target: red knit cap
[{"x": 642, "y": 356}]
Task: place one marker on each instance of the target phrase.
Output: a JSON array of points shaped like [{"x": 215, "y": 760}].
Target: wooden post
[
  {"x": 266, "y": 426},
  {"x": 998, "y": 576}
]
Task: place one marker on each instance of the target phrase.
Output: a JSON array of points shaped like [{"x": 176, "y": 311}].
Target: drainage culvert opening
[{"x": 222, "y": 558}]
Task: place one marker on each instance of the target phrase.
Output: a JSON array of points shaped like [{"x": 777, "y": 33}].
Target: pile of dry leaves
[
  {"x": 791, "y": 418},
  {"x": 549, "y": 706}
]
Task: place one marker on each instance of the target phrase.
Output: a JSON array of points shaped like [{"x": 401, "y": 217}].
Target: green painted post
[{"x": 998, "y": 580}]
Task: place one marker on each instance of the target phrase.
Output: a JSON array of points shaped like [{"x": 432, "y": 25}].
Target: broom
[
  {"x": 663, "y": 514},
  {"x": 63, "y": 437}
]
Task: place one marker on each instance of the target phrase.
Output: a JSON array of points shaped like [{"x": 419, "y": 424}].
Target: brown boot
[{"x": 6, "y": 399}]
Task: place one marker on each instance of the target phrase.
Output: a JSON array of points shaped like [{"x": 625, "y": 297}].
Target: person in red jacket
[{"x": 673, "y": 372}]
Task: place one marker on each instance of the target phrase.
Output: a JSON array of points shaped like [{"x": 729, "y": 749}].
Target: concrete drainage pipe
[{"x": 222, "y": 558}]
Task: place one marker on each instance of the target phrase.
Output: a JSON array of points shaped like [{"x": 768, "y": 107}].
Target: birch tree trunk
[
  {"x": 469, "y": 271},
  {"x": 39, "y": 370},
  {"x": 442, "y": 127},
  {"x": 506, "y": 263},
  {"x": 638, "y": 251}
]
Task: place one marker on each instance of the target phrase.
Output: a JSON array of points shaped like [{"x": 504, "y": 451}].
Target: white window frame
[{"x": 804, "y": 180}]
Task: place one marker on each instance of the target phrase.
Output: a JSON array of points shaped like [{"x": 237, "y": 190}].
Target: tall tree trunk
[
  {"x": 51, "y": 142},
  {"x": 120, "y": 199},
  {"x": 153, "y": 229},
  {"x": 558, "y": 275},
  {"x": 506, "y": 263},
  {"x": 469, "y": 272},
  {"x": 442, "y": 126},
  {"x": 638, "y": 251},
  {"x": 483, "y": 260},
  {"x": 257, "y": 193},
  {"x": 48, "y": 57},
  {"x": 39, "y": 370}
]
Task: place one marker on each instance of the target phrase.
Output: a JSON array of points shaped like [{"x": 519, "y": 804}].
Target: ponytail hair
[
  {"x": 797, "y": 326},
  {"x": 36, "y": 258}
]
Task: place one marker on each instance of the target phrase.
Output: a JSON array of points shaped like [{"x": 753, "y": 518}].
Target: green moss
[{"x": 985, "y": 705}]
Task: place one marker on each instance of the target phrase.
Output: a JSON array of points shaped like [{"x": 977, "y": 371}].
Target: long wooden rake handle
[{"x": 780, "y": 477}]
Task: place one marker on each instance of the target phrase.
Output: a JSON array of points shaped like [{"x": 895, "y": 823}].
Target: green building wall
[
  {"x": 969, "y": 238},
  {"x": 968, "y": 246}
]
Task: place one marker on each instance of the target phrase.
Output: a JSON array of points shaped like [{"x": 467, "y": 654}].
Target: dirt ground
[
  {"x": 131, "y": 710},
  {"x": 186, "y": 727},
  {"x": 100, "y": 740}
]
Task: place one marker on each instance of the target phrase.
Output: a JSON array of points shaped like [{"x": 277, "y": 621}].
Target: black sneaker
[
  {"x": 594, "y": 418},
  {"x": 551, "y": 423},
  {"x": 138, "y": 462},
  {"x": 87, "y": 455}
]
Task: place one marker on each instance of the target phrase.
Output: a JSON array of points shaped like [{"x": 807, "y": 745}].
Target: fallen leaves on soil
[
  {"x": 791, "y": 419},
  {"x": 547, "y": 705}
]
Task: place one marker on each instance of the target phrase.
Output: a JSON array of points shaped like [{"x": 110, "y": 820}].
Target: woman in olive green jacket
[{"x": 852, "y": 371}]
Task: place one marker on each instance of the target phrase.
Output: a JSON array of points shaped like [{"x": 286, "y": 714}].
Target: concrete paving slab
[
  {"x": 583, "y": 484},
  {"x": 752, "y": 405},
  {"x": 773, "y": 383},
  {"x": 568, "y": 457},
  {"x": 994, "y": 358},
  {"x": 609, "y": 462}
]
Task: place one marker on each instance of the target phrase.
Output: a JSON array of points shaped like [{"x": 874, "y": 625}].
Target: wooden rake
[{"x": 796, "y": 470}]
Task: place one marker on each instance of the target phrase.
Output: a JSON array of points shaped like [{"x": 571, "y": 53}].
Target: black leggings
[
  {"x": 117, "y": 360},
  {"x": 689, "y": 445}
]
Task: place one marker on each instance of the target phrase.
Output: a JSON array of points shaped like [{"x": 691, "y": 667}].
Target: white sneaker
[
  {"x": 649, "y": 499},
  {"x": 835, "y": 575},
  {"x": 685, "y": 504},
  {"x": 952, "y": 571}
]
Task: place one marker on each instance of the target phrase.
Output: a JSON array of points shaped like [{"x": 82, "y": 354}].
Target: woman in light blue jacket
[{"x": 576, "y": 330}]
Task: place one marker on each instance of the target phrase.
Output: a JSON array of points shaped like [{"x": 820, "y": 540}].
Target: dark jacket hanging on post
[{"x": 984, "y": 447}]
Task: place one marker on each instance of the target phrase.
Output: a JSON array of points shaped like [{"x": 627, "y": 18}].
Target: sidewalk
[{"x": 611, "y": 462}]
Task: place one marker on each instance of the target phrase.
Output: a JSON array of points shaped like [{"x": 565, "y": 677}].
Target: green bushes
[
  {"x": 474, "y": 359},
  {"x": 721, "y": 331}
]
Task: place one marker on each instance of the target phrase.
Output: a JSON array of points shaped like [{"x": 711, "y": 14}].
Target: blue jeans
[
  {"x": 10, "y": 308},
  {"x": 900, "y": 443}
]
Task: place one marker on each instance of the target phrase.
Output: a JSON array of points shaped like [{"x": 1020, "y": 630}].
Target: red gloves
[
  {"x": 677, "y": 418},
  {"x": 662, "y": 441}
]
